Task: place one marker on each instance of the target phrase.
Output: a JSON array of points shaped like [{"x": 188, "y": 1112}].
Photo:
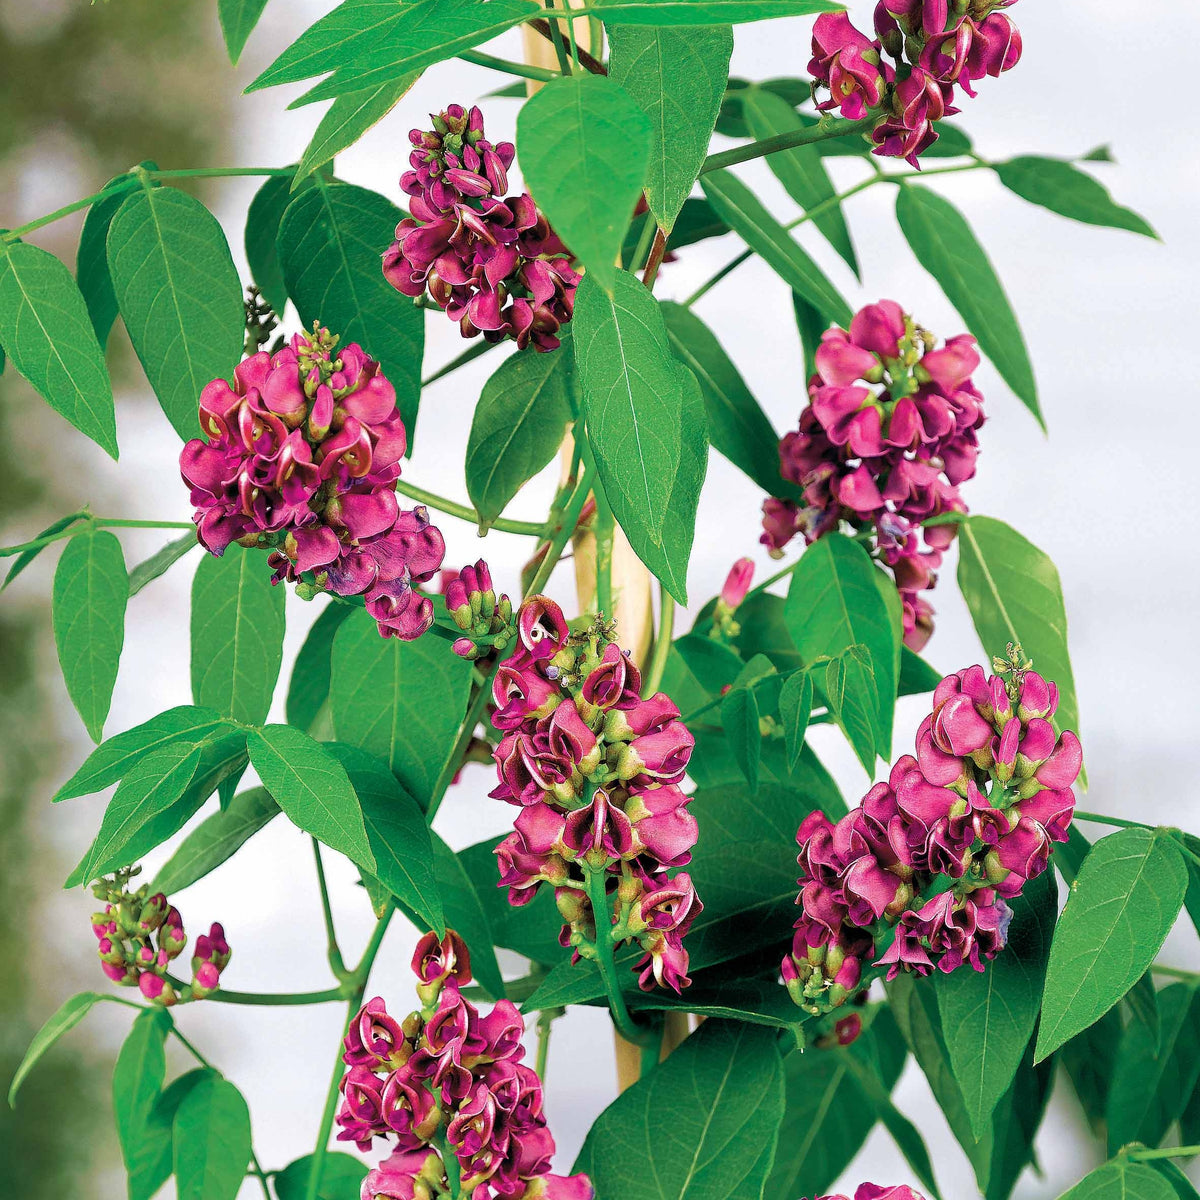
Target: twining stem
[
  {"x": 766, "y": 583},
  {"x": 1148, "y": 1155},
  {"x": 570, "y": 518},
  {"x": 542, "y": 74},
  {"x": 475, "y": 714},
  {"x": 545, "y": 1027},
  {"x": 1175, "y": 972},
  {"x": 336, "y": 965},
  {"x": 255, "y": 1166},
  {"x": 472, "y": 352},
  {"x": 95, "y": 523},
  {"x": 557, "y": 40},
  {"x": 466, "y": 513},
  {"x": 784, "y": 141},
  {"x": 657, "y": 250},
  {"x": 360, "y": 975},
  {"x": 601, "y": 913},
  {"x": 277, "y": 999},
  {"x": 662, "y": 643},
  {"x": 1101, "y": 819}
]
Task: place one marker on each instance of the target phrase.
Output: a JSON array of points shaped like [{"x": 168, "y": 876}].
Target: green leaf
[
  {"x": 309, "y": 687},
  {"x": 91, "y": 259},
  {"x": 1156, "y": 1071},
  {"x": 46, "y": 331},
  {"x": 238, "y": 19},
  {"x": 149, "y": 1160},
  {"x": 718, "y": 1146},
  {"x": 312, "y": 788},
  {"x": 341, "y": 1178},
  {"x": 334, "y": 39},
  {"x": 1181, "y": 1184},
  {"x": 632, "y": 400},
  {"x": 519, "y": 422},
  {"x": 216, "y": 840},
  {"x": 179, "y": 295},
  {"x": 852, "y": 697},
  {"x": 668, "y": 559},
  {"x": 702, "y": 12},
  {"x": 262, "y": 231},
  {"x": 65, "y": 1017},
  {"x": 138, "y": 1079},
  {"x": 91, "y": 590},
  {"x": 916, "y": 675},
  {"x": 1090, "y": 1058},
  {"x": 677, "y": 78},
  {"x": 827, "y": 1115},
  {"x": 329, "y": 243},
  {"x": 948, "y": 249},
  {"x": 348, "y": 118},
  {"x": 585, "y": 149},
  {"x": 237, "y": 635},
  {"x": 160, "y": 562},
  {"x": 1120, "y": 909},
  {"x": 1121, "y": 1179},
  {"x": 424, "y": 33},
  {"x": 113, "y": 758},
  {"x": 401, "y": 701},
  {"x": 989, "y": 1017},
  {"x": 1068, "y": 191},
  {"x": 737, "y": 425},
  {"x": 1014, "y": 594},
  {"x": 465, "y": 914},
  {"x": 212, "y": 1140},
  {"x": 799, "y": 169},
  {"x": 156, "y": 799},
  {"x": 795, "y": 707},
  {"x": 744, "y": 870},
  {"x": 22, "y": 560},
  {"x": 810, "y": 325},
  {"x": 833, "y": 603},
  {"x": 397, "y": 832},
  {"x": 739, "y": 719},
  {"x": 749, "y": 218}
]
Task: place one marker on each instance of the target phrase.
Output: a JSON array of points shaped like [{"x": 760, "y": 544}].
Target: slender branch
[
  {"x": 602, "y": 914},
  {"x": 784, "y": 141},
  {"x": 1146, "y": 1154},
  {"x": 561, "y": 49},
  {"x": 1175, "y": 972},
  {"x": 657, "y": 250},
  {"x": 545, "y": 1026},
  {"x": 277, "y": 999},
  {"x": 541, "y": 26},
  {"x": 95, "y": 523},
  {"x": 466, "y": 513},
  {"x": 475, "y": 714},
  {"x": 662, "y": 642},
  {"x": 766, "y": 583},
  {"x": 1101, "y": 819},
  {"x": 472, "y": 352},
  {"x": 558, "y": 544},
  {"x": 336, "y": 965},
  {"x": 542, "y": 74}
]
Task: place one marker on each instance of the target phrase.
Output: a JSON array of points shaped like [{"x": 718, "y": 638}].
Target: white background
[{"x": 1110, "y": 495}]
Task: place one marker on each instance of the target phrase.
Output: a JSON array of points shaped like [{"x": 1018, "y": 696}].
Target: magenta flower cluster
[
  {"x": 887, "y": 437},
  {"x": 875, "y": 1191},
  {"x": 484, "y": 617},
  {"x": 595, "y": 771},
  {"x": 140, "y": 935},
  {"x": 917, "y": 876},
  {"x": 302, "y": 456},
  {"x": 489, "y": 259},
  {"x": 936, "y": 45},
  {"x": 448, "y": 1074}
]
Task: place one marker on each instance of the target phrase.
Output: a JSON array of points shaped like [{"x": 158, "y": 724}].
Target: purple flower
[{"x": 846, "y": 62}]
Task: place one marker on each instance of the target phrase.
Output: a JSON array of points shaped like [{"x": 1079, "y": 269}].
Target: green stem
[
  {"x": 277, "y": 999},
  {"x": 95, "y": 523},
  {"x": 360, "y": 975},
  {"x": 651, "y": 1053},
  {"x": 556, "y": 38},
  {"x": 1175, "y": 972},
  {"x": 662, "y": 643},
  {"x": 783, "y": 141},
  {"x": 544, "y": 1027},
  {"x": 471, "y": 353},
  {"x": 1101, "y": 819},
  {"x": 601, "y": 913},
  {"x": 570, "y": 518},
  {"x": 1149, "y": 1155},
  {"x": 507, "y": 65},
  {"x": 766, "y": 583},
  {"x": 336, "y": 965},
  {"x": 475, "y": 714},
  {"x": 466, "y": 513},
  {"x": 645, "y": 238},
  {"x": 255, "y": 1166},
  {"x": 658, "y": 251}
]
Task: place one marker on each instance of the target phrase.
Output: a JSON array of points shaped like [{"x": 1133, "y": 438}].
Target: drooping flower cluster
[
  {"x": 936, "y": 44},
  {"x": 489, "y": 259},
  {"x": 475, "y": 608},
  {"x": 887, "y": 437},
  {"x": 140, "y": 935},
  {"x": 595, "y": 771},
  {"x": 917, "y": 876},
  {"x": 302, "y": 456},
  {"x": 447, "y": 1072},
  {"x": 875, "y": 1191}
]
